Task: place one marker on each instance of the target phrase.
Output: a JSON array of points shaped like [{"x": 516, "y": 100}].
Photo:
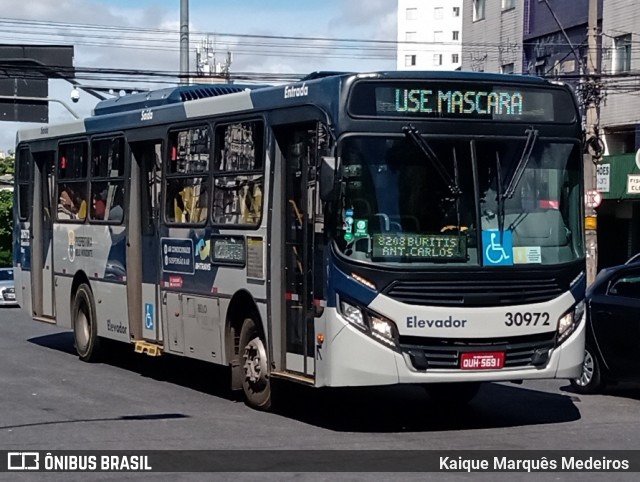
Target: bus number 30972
[{"x": 526, "y": 319}]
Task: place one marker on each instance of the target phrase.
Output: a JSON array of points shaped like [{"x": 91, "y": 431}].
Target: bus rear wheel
[
  {"x": 452, "y": 393},
  {"x": 256, "y": 382},
  {"x": 85, "y": 329}
]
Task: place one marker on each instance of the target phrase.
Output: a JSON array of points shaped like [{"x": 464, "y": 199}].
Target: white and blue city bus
[{"x": 343, "y": 230}]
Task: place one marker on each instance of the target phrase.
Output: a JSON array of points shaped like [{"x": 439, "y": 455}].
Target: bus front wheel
[
  {"x": 85, "y": 330},
  {"x": 256, "y": 382}
]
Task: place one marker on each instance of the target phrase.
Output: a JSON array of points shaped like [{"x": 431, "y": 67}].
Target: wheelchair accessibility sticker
[
  {"x": 497, "y": 247},
  {"x": 149, "y": 319}
]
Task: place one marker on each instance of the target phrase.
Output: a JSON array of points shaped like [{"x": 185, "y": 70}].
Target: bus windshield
[{"x": 408, "y": 201}]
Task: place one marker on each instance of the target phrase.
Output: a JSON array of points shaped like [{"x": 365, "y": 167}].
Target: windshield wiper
[
  {"x": 532, "y": 137},
  {"x": 500, "y": 195},
  {"x": 414, "y": 135}
]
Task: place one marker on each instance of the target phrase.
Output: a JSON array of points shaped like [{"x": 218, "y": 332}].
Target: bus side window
[
  {"x": 201, "y": 205},
  {"x": 98, "y": 206},
  {"x": 66, "y": 207},
  {"x": 116, "y": 211},
  {"x": 72, "y": 181},
  {"x": 238, "y": 177},
  {"x": 251, "y": 202},
  {"x": 187, "y": 200},
  {"x": 187, "y": 195},
  {"x": 175, "y": 204}
]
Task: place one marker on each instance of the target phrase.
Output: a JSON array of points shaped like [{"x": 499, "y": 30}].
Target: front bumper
[
  {"x": 7, "y": 300},
  {"x": 355, "y": 359}
]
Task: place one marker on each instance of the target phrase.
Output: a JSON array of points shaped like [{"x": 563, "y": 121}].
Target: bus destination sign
[
  {"x": 417, "y": 247},
  {"x": 442, "y": 99},
  {"x": 428, "y": 101}
]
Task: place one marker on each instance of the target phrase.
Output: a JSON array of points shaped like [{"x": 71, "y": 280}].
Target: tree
[
  {"x": 6, "y": 227},
  {"x": 7, "y": 165}
]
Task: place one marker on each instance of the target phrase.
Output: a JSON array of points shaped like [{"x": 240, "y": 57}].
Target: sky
[{"x": 151, "y": 41}]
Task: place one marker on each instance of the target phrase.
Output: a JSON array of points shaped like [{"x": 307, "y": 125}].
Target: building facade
[
  {"x": 619, "y": 171},
  {"x": 555, "y": 37},
  {"x": 429, "y": 34},
  {"x": 493, "y": 33}
]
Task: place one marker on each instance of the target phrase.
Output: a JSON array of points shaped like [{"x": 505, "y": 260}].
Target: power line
[
  {"x": 92, "y": 35},
  {"x": 364, "y": 44}
]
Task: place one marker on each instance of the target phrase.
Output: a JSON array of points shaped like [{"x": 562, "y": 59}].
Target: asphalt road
[{"x": 49, "y": 400}]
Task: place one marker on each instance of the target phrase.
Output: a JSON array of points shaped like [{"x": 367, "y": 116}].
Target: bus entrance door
[
  {"x": 42, "y": 225},
  {"x": 299, "y": 146},
  {"x": 143, "y": 245}
]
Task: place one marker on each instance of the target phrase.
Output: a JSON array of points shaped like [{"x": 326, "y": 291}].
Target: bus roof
[{"x": 175, "y": 104}]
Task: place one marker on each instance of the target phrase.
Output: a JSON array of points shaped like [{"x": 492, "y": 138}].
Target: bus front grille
[
  {"x": 435, "y": 353},
  {"x": 474, "y": 292}
]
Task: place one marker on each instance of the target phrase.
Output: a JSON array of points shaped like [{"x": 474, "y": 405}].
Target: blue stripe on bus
[
  {"x": 343, "y": 284},
  {"x": 578, "y": 288}
]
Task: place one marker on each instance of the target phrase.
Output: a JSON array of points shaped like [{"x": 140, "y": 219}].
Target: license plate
[
  {"x": 10, "y": 296},
  {"x": 482, "y": 361}
]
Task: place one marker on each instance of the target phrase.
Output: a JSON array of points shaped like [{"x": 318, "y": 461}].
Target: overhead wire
[
  {"x": 348, "y": 43},
  {"x": 164, "y": 40}
]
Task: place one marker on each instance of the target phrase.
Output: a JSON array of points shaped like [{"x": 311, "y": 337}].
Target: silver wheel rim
[
  {"x": 255, "y": 365},
  {"x": 588, "y": 367},
  {"x": 82, "y": 331}
]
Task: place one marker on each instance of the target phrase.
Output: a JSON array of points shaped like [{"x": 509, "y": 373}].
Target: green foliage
[
  {"x": 6, "y": 227},
  {"x": 7, "y": 165}
]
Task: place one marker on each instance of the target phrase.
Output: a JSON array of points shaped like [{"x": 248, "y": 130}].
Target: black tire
[
  {"x": 85, "y": 329},
  {"x": 256, "y": 379},
  {"x": 452, "y": 393},
  {"x": 590, "y": 380}
]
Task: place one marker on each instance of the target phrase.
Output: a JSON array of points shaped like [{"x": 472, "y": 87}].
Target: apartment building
[{"x": 429, "y": 34}]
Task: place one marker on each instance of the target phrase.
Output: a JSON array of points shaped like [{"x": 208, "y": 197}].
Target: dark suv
[{"x": 613, "y": 332}]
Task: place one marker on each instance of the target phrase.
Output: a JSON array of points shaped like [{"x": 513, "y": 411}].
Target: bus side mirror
[{"x": 327, "y": 178}]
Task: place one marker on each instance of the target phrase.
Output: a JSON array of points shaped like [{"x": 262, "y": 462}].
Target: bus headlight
[
  {"x": 352, "y": 314},
  {"x": 383, "y": 329},
  {"x": 379, "y": 327},
  {"x": 570, "y": 320}
]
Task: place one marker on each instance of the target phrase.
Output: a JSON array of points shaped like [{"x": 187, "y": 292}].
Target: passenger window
[
  {"x": 239, "y": 176},
  {"x": 72, "y": 181},
  {"x": 107, "y": 180},
  {"x": 187, "y": 200},
  {"x": 187, "y": 178},
  {"x": 107, "y": 158},
  {"x": 107, "y": 201},
  {"x": 628, "y": 286}
]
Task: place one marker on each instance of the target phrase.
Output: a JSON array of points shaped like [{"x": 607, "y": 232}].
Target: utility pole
[
  {"x": 184, "y": 41},
  {"x": 592, "y": 97}
]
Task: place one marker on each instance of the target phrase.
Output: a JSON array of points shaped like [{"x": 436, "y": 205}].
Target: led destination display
[
  {"x": 461, "y": 100},
  {"x": 228, "y": 249},
  {"x": 427, "y": 101},
  {"x": 419, "y": 246}
]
